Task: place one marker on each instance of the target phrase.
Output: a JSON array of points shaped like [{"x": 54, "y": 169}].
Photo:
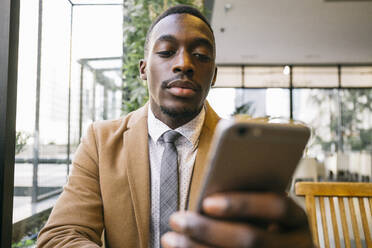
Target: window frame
[{"x": 9, "y": 28}]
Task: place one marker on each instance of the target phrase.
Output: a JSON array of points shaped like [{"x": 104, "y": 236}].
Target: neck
[{"x": 174, "y": 119}]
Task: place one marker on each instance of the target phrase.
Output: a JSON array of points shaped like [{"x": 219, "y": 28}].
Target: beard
[{"x": 183, "y": 113}]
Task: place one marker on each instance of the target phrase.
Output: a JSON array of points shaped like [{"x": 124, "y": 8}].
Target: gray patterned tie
[{"x": 168, "y": 180}]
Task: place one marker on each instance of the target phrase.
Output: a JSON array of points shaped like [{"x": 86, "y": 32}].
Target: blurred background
[{"x": 309, "y": 61}]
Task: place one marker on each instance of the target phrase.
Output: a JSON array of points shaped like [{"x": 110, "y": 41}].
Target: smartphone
[{"x": 253, "y": 156}]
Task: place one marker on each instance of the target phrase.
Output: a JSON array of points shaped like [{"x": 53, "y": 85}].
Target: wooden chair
[{"x": 340, "y": 214}]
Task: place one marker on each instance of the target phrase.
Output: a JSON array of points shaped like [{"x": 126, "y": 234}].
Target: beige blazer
[{"x": 109, "y": 186}]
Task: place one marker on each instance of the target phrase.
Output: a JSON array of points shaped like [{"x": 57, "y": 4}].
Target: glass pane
[
  {"x": 254, "y": 102},
  {"x": 95, "y": 94},
  {"x": 266, "y": 77},
  {"x": 356, "y": 76},
  {"x": 222, "y": 101},
  {"x": 100, "y": 102},
  {"x": 319, "y": 109},
  {"x": 96, "y": 64},
  {"x": 277, "y": 102},
  {"x": 97, "y": 37},
  {"x": 229, "y": 76},
  {"x": 41, "y": 166},
  {"x": 54, "y": 91},
  {"x": 357, "y": 119},
  {"x": 88, "y": 96},
  {"x": 341, "y": 130},
  {"x": 105, "y": 63},
  {"x": 26, "y": 92},
  {"x": 313, "y": 77}
]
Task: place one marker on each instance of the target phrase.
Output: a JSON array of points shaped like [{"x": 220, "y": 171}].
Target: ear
[
  {"x": 214, "y": 77},
  {"x": 142, "y": 69}
]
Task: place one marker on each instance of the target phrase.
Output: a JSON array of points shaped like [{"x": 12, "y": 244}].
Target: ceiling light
[
  {"x": 228, "y": 7},
  {"x": 286, "y": 70}
]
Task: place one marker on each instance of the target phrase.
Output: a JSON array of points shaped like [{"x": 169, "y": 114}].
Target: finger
[
  {"x": 218, "y": 233},
  {"x": 215, "y": 232},
  {"x": 176, "y": 240},
  {"x": 267, "y": 206}
]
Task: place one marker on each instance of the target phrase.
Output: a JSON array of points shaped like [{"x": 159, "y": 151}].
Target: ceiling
[{"x": 293, "y": 31}]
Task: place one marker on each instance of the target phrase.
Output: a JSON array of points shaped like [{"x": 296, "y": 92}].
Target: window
[
  {"x": 68, "y": 77},
  {"x": 334, "y": 100}
]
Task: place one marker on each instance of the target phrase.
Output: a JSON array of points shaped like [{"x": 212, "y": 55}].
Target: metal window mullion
[
  {"x": 94, "y": 96},
  {"x": 37, "y": 107},
  {"x": 340, "y": 145},
  {"x": 69, "y": 99},
  {"x": 291, "y": 92},
  {"x": 9, "y": 29},
  {"x": 81, "y": 100},
  {"x": 105, "y": 102}
]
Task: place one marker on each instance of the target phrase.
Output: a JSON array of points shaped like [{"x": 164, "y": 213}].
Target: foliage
[
  {"x": 29, "y": 230},
  {"x": 353, "y": 131},
  {"x": 24, "y": 243},
  {"x": 138, "y": 15},
  {"x": 246, "y": 108},
  {"x": 21, "y": 141},
  {"x": 28, "y": 240}
]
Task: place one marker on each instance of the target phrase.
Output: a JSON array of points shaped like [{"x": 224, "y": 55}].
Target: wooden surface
[
  {"x": 310, "y": 207},
  {"x": 351, "y": 208},
  {"x": 334, "y": 189},
  {"x": 334, "y": 223}
]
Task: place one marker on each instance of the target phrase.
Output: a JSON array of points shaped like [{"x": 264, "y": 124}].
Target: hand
[{"x": 241, "y": 220}]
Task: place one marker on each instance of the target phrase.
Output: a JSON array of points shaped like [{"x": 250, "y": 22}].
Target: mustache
[{"x": 180, "y": 77}]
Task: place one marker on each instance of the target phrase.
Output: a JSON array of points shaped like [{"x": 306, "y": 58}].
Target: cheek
[
  {"x": 152, "y": 76},
  {"x": 156, "y": 71},
  {"x": 154, "y": 80},
  {"x": 207, "y": 76}
]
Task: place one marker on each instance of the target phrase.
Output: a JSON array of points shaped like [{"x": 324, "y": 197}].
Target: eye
[
  {"x": 202, "y": 57},
  {"x": 165, "y": 54}
]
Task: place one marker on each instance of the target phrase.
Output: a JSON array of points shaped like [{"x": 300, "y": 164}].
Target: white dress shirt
[{"x": 187, "y": 146}]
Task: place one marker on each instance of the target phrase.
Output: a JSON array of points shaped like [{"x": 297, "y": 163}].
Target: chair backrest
[{"x": 340, "y": 214}]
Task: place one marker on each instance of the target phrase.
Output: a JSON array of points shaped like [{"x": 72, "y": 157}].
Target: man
[{"x": 118, "y": 183}]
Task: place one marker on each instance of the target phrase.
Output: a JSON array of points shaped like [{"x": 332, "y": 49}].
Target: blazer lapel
[
  {"x": 138, "y": 166},
  {"x": 205, "y": 139}
]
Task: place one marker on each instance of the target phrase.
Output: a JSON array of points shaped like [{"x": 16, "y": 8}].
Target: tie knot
[{"x": 170, "y": 136}]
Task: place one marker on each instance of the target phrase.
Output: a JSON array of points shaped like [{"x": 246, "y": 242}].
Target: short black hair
[{"x": 177, "y": 9}]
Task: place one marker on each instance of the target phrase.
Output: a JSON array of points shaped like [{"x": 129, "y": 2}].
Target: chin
[{"x": 180, "y": 112}]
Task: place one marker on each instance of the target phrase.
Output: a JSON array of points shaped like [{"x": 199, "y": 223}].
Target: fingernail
[
  {"x": 179, "y": 219},
  {"x": 170, "y": 239},
  {"x": 215, "y": 204}
]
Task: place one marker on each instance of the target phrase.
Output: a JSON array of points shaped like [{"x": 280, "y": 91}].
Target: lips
[{"x": 182, "y": 88}]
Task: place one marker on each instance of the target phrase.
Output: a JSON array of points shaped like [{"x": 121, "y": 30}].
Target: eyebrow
[
  {"x": 196, "y": 41},
  {"x": 204, "y": 42},
  {"x": 167, "y": 37}
]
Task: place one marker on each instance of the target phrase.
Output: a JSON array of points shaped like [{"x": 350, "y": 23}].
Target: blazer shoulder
[
  {"x": 108, "y": 130},
  {"x": 111, "y": 131},
  {"x": 103, "y": 127},
  {"x": 110, "y": 127}
]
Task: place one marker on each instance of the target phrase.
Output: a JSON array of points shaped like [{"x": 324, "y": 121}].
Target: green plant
[
  {"x": 24, "y": 243},
  {"x": 347, "y": 131},
  {"x": 138, "y": 15},
  {"x": 21, "y": 141},
  {"x": 246, "y": 108}
]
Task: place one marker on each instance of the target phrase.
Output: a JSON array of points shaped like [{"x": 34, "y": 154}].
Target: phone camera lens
[{"x": 241, "y": 131}]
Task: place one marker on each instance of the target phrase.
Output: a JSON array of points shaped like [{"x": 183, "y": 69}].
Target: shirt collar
[{"x": 191, "y": 130}]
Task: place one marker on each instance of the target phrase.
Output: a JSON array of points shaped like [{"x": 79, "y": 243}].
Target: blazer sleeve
[{"x": 77, "y": 217}]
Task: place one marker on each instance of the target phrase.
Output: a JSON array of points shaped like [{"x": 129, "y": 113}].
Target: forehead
[{"x": 181, "y": 26}]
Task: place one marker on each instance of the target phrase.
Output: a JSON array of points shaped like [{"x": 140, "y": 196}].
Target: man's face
[{"x": 180, "y": 65}]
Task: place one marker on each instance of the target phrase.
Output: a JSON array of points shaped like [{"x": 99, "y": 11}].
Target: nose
[{"x": 184, "y": 64}]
